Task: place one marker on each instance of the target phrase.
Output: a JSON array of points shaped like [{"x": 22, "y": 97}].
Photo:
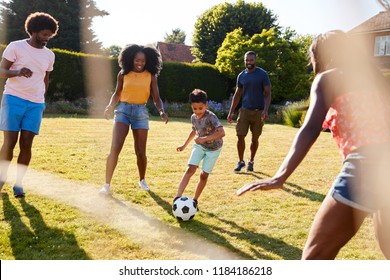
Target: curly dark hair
[
  {"x": 39, "y": 21},
  {"x": 153, "y": 58},
  {"x": 198, "y": 96}
]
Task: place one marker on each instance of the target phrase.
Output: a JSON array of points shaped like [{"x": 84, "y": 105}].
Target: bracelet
[{"x": 161, "y": 112}]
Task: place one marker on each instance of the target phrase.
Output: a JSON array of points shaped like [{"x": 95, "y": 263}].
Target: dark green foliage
[
  {"x": 176, "y": 37},
  {"x": 74, "y": 17},
  {"x": 78, "y": 76},
  {"x": 213, "y": 25},
  {"x": 294, "y": 114},
  {"x": 280, "y": 54},
  {"x": 177, "y": 80}
]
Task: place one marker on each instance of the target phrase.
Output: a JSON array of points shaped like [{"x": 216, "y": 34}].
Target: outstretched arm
[{"x": 189, "y": 138}]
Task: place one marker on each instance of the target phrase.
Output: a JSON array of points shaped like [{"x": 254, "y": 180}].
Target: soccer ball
[{"x": 184, "y": 208}]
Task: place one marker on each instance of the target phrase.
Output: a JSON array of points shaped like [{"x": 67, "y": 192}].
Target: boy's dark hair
[
  {"x": 38, "y": 21},
  {"x": 127, "y": 54},
  {"x": 198, "y": 96}
]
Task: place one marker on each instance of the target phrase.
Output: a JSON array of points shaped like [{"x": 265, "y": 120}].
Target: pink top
[
  {"x": 357, "y": 121},
  {"x": 39, "y": 61}
]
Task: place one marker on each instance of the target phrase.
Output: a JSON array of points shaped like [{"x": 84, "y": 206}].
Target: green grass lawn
[{"x": 261, "y": 225}]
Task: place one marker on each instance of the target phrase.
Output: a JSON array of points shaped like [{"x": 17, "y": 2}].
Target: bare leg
[
  {"x": 333, "y": 226},
  {"x": 241, "y": 147},
  {"x": 191, "y": 169},
  {"x": 382, "y": 230},
  {"x": 6, "y": 152},
  {"x": 201, "y": 184},
  {"x": 24, "y": 158},
  {"x": 254, "y": 147},
  {"x": 119, "y": 134},
  {"x": 140, "y": 139}
]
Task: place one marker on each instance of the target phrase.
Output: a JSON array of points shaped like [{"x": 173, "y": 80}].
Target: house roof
[
  {"x": 378, "y": 23},
  {"x": 175, "y": 52}
]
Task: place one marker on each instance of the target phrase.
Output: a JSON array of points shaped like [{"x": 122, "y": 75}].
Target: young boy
[{"x": 208, "y": 132}]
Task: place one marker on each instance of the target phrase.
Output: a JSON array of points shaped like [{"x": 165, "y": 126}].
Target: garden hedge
[{"x": 79, "y": 76}]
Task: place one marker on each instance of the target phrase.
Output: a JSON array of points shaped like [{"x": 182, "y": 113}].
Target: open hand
[
  {"x": 108, "y": 112},
  {"x": 265, "y": 184},
  {"x": 164, "y": 117}
]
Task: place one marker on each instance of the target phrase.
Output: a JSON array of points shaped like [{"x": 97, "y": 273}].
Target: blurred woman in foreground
[{"x": 349, "y": 95}]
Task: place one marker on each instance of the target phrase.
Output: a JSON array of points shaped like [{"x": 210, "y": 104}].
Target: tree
[
  {"x": 177, "y": 37},
  {"x": 74, "y": 17},
  {"x": 112, "y": 51},
  {"x": 281, "y": 55},
  {"x": 213, "y": 25}
]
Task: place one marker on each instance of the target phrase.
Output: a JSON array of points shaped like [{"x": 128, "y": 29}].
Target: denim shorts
[
  {"x": 209, "y": 157},
  {"x": 134, "y": 115},
  {"x": 362, "y": 182},
  {"x": 20, "y": 114}
]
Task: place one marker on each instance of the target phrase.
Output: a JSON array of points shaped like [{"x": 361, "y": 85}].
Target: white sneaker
[
  {"x": 143, "y": 185},
  {"x": 105, "y": 190}
]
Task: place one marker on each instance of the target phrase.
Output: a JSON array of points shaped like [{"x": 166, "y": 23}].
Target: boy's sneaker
[
  {"x": 250, "y": 166},
  {"x": 196, "y": 205},
  {"x": 240, "y": 165},
  {"x": 105, "y": 190},
  {"x": 18, "y": 191},
  {"x": 143, "y": 185}
]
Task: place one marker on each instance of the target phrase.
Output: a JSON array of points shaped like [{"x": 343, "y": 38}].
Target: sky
[{"x": 149, "y": 21}]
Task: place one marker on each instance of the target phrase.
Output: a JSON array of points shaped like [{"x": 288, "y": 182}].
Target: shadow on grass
[
  {"x": 258, "y": 242},
  {"x": 291, "y": 188},
  {"x": 37, "y": 241}
]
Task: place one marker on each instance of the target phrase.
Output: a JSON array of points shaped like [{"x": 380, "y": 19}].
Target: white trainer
[
  {"x": 143, "y": 185},
  {"x": 105, "y": 190}
]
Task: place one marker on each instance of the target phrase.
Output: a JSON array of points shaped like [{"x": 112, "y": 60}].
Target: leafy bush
[
  {"x": 177, "y": 80},
  {"x": 78, "y": 107},
  {"x": 294, "y": 113}
]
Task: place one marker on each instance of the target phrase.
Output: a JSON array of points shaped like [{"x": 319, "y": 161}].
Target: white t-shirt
[{"x": 39, "y": 61}]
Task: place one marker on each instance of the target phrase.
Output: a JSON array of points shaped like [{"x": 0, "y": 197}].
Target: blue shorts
[
  {"x": 134, "y": 115},
  {"x": 362, "y": 182},
  {"x": 209, "y": 158},
  {"x": 19, "y": 114}
]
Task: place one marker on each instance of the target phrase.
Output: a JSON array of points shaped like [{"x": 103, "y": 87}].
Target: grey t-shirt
[{"x": 205, "y": 126}]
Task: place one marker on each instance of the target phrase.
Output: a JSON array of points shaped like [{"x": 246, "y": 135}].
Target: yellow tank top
[{"x": 136, "y": 87}]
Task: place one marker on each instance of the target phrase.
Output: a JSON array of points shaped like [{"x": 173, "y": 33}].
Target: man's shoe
[
  {"x": 240, "y": 165},
  {"x": 18, "y": 191},
  {"x": 250, "y": 166}
]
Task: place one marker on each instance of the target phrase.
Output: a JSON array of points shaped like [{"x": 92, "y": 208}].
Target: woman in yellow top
[{"x": 137, "y": 79}]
